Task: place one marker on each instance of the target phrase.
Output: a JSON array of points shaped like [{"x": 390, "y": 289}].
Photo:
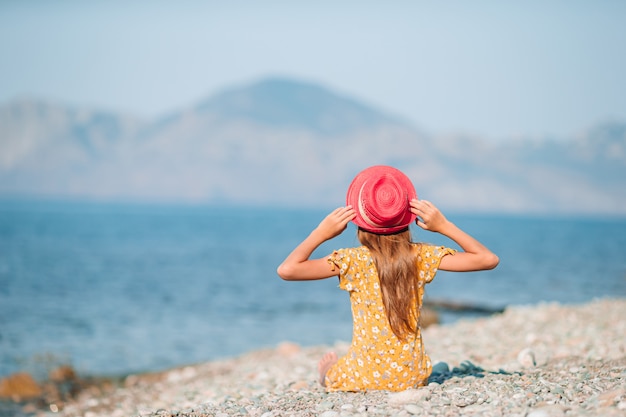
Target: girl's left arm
[
  {"x": 298, "y": 267},
  {"x": 474, "y": 257}
]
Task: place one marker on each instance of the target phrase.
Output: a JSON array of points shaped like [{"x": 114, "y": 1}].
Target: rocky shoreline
[{"x": 530, "y": 361}]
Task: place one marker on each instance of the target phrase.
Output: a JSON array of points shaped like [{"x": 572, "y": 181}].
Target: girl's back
[{"x": 378, "y": 357}]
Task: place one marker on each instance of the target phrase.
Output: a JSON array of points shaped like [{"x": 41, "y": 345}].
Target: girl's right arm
[
  {"x": 298, "y": 267},
  {"x": 475, "y": 255}
]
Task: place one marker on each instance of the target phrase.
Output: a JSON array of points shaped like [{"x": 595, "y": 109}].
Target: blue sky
[{"x": 497, "y": 69}]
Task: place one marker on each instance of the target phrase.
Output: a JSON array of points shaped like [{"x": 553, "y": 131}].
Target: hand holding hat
[{"x": 428, "y": 216}]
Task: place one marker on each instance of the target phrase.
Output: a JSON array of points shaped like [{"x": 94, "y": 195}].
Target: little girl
[{"x": 385, "y": 279}]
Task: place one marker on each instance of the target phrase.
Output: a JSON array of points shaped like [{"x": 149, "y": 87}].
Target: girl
[{"x": 385, "y": 279}]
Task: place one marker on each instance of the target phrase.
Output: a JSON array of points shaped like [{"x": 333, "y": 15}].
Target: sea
[{"x": 112, "y": 289}]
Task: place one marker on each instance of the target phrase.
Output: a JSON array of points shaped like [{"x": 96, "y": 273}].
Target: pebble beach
[{"x": 530, "y": 361}]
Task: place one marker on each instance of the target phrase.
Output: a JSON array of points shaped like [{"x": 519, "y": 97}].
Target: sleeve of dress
[
  {"x": 428, "y": 259},
  {"x": 341, "y": 259}
]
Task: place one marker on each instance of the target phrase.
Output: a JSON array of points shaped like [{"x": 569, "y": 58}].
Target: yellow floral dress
[{"x": 377, "y": 359}]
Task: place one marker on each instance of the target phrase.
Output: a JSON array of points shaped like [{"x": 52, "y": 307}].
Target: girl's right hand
[
  {"x": 298, "y": 266},
  {"x": 336, "y": 222}
]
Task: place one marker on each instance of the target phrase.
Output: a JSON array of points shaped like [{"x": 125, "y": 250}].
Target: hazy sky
[{"x": 493, "y": 68}]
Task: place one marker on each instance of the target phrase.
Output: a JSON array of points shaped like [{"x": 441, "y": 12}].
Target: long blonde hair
[{"x": 395, "y": 261}]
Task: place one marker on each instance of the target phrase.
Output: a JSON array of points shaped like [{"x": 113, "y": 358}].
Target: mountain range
[{"x": 292, "y": 143}]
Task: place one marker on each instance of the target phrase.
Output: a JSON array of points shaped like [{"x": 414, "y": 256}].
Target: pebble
[
  {"x": 548, "y": 411},
  {"x": 526, "y": 358},
  {"x": 546, "y": 360},
  {"x": 413, "y": 409},
  {"x": 409, "y": 396}
]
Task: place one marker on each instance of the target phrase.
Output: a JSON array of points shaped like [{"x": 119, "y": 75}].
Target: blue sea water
[{"x": 113, "y": 289}]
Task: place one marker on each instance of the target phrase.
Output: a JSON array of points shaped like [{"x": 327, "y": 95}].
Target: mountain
[
  {"x": 287, "y": 142},
  {"x": 281, "y": 103}
]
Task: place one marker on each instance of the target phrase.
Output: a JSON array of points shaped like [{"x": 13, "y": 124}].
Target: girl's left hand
[
  {"x": 336, "y": 222},
  {"x": 428, "y": 215}
]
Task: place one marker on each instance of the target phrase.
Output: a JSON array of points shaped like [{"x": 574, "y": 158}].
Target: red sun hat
[{"x": 380, "y": 195}]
